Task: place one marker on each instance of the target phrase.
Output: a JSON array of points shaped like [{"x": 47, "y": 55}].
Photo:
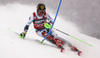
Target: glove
[
  {"x": 47, "y": 25},
  {"x": 22, "y": 35}
]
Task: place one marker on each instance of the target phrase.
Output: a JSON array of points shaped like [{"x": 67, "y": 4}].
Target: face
[{"x": 41, "y": 12}]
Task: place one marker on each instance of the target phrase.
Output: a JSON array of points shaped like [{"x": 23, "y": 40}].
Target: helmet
[{"x": 41, "y": 6}]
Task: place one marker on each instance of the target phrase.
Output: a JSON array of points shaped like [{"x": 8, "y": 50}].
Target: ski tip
[
  {"x": 62, "y": 50},
  {"x": 79, "y": 53}
]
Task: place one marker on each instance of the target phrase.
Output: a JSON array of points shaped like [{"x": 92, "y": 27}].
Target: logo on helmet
[{"x": 42, "y": 7}]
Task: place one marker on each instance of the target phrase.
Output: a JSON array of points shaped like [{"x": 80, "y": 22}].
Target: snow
[{"x": 15, "y": 16}]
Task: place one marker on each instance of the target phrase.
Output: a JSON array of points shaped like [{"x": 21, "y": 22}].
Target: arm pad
[{"x": 26, "y": 28}]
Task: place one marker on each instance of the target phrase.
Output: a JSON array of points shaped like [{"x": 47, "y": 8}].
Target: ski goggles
[{"x": 41, "y": 11}]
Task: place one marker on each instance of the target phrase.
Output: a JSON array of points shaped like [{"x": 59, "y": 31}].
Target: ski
[{"x": 79, "y": 53}]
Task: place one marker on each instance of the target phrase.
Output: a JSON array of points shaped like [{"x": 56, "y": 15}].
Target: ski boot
[
  {"x": 59, "y": 45},
  {"x": 75, "y": 49}
]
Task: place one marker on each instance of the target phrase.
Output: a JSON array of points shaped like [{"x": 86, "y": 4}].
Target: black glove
[{"x": 22, "y": 35}]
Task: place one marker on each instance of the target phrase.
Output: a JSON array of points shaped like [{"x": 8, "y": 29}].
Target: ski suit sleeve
[
  {"x": 49, "y": 18},
  {"x": 28, "y": 23}
]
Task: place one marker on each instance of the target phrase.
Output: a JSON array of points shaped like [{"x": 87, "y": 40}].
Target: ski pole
[
  {"x": 53, "y": 22},
  {"x": 73, "y": 37},
  {"x": 60, "y": 31},
  {"x": 46, "y": 25},
  {"x": 13, "y": 31}
]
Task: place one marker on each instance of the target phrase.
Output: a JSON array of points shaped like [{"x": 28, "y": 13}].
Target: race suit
[{"x": 38, "y": 22}]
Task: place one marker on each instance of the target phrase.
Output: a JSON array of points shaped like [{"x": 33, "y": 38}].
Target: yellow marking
[{"x": 42, "y": 7}]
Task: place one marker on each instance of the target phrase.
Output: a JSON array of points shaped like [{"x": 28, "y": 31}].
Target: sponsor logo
[
  {"x": 42, "y": 7},
  {"x": 39, "y": 21}
]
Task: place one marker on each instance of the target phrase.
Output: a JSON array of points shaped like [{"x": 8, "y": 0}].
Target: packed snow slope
[{"x": 15, "y": 16}]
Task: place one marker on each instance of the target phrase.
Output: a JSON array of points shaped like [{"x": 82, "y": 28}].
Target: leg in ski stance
[
  {"x": 62, "y": 42},
  {"x": 58, "y": 41}
]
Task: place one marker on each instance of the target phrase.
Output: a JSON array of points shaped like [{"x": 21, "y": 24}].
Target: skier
[{"x": 39, "y": 18}]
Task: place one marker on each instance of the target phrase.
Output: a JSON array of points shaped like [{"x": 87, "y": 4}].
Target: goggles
[{"x": 41, "y": 11}]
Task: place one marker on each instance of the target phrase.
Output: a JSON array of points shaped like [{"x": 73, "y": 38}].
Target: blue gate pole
[{"x": 53, "y": 22}]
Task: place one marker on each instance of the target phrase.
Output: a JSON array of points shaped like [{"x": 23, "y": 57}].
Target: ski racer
[{"x": 39, "y": 18}]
